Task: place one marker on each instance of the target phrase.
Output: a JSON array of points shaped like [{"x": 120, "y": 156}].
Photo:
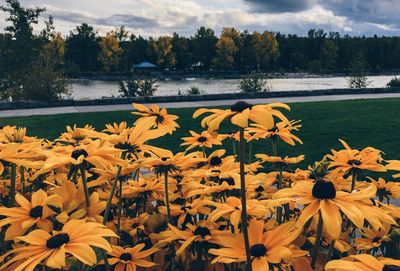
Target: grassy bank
[{"x": 360, "y": 122}]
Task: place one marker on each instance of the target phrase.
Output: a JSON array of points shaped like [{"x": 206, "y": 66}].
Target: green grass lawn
[{"x": 360, "y": 122}]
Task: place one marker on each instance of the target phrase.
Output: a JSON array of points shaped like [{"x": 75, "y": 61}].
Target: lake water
[{"x": 91, "y": 89}]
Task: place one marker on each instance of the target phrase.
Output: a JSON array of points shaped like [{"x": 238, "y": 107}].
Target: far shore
[{"x": 178, "y": 75}]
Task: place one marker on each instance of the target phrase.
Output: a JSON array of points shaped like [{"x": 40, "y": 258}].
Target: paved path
[{"x": 119, "y": 107}]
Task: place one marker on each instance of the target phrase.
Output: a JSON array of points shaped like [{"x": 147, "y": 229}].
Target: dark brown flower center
[
  {"x": 159, "y": 119},
  {"x": 273, "y": 129},
  {"x": 229, "y": 180},
  {"x": 324, "y": 190},
  {"x": 77, "y": 153},
  {"x": 354, "y": 162},
  {"x": 376, "y": 239},
  {"x": 259, "y": 189},
  {"x": 215, "y": 161},
  {"x": 135, "y": 225},
  {"x": 203, "y": 231},
  {"x": 126, "y": 257},
  {"x": 57, "y": 240},
  {"x": 202, "y": 139},
  {"x": 240, "y": 106},
  {"x": 36, "y": 212},
  {"x": 391, "y": 268},
  {"x": 258, "y": 250}
]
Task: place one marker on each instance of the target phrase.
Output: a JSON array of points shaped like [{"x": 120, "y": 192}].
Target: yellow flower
[
  {"x": 116, "y": 128},
  {"x": 363, "y": 262},
  {"x": 267, "y": 248},
  {"x": 322, "y": 196},
  {"x": 281, "y": 129},
  {"x": 232, "y": 209},
  {"x": 345, "y": 160},
  {"x": 241, "y": 113},
  {"x": 129, "y": 258},
  {"x": 21, "y": 219},
  {"x": 205, "y": 139},
  {"x": 281, "y": 160},
  {"x": 387, "y": 190},
  {"x": 373, "y": 237},
  {"x": 75, "y": 239},
  {"x": 159, "y": 118}
]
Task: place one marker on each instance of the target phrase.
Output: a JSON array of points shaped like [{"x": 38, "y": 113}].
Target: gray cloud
[
  {"x": 371, "y": 11},
  {"x": 130, "y": 21},
  {"x": 279, "y": 6}
]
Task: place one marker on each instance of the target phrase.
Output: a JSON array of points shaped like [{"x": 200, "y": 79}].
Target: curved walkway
[{"x": 120, "y": 107}]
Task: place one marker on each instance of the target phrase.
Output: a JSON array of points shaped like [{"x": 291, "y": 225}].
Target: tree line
[
  {"x": 318, "y": 52},
  {"x": 38, "y": 64}
]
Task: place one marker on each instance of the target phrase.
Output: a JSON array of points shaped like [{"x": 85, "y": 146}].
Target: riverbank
[
  {"x": 360, "y": 93},
  {"x": 182, "y": 75}
]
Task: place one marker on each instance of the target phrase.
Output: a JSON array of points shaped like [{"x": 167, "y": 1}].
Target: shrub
[
  {"x": 195, "y": 91},
  {"x": 136, "y": 87},
  {"x": 253, "y": 82},
  {"x": 394, "y": 82}
]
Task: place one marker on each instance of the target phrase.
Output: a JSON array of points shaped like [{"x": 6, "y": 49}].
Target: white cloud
[{"x": 153, "y": 18}]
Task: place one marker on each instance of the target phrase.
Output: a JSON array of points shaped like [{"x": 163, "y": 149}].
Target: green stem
[
  {"x": 317, "y": 240},
  {"x": 104, "y": 256},
  {"x": 353, "y": 180},
  {"x": 243, "y": 198},
  {"x": 250, "y": 152},
  {"x": 13, "y": 183},
  {"x": 22, "y": 172},
  {"x": 167, "y": 196},
  {"x": 279, "y": 208},
  {"x": 119, "y": 209},
  {"x": 109, "y": 200},
  {"x": 234, "y": 147},
  {"x": 274, "y": 146},
  {"x": 329, "y": 255},
  {"x": 85, "y": 187}
]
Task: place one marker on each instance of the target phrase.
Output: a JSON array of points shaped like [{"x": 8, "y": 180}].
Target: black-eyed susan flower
[
  {"x": 268, "y": 249},
  {"x": 158, "y": 117},
  {"x": 322, "y": 196},
  {"x": 363, "y": 262},
  {"x": 386, "y": 190},
  {"x": 349, "y": 159},
  {"x": 372, "y": 237},
  {"x": 30, "y": 213},
  {"x": 204, "y": 139},
  {"x": 75, "y": 241},
  {"x": 241, "y": 113},
  {"x": 130, "y": 258},
  {"x": 282, "y": 129}
]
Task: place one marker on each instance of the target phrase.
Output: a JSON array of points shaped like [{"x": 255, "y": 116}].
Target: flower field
[{"x": 113, "y": 200}]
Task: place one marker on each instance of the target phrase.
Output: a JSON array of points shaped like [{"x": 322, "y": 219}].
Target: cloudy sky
[{"x": 158, "y": 17}]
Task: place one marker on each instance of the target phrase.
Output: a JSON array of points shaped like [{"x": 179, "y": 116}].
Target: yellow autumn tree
[
  {"x": 163, "y": 50},
  {"x": 110, "y": 52},
  {"x": 265, "y": 48},
  {"x": 226, "y": 50},
  {"x": 56, "y": 47}
]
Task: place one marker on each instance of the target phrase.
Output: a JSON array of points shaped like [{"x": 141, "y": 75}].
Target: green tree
[
  {"x": 328, "y": 55},
  {"x": 181, "y": 48},
  {"x": 110, "y": 52},
  {"x": 83, "y": 48},
  {"x": 358, "y": 70},
  {"x": 32, "y": 70},
  {"x": 204, "y": 46}
]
